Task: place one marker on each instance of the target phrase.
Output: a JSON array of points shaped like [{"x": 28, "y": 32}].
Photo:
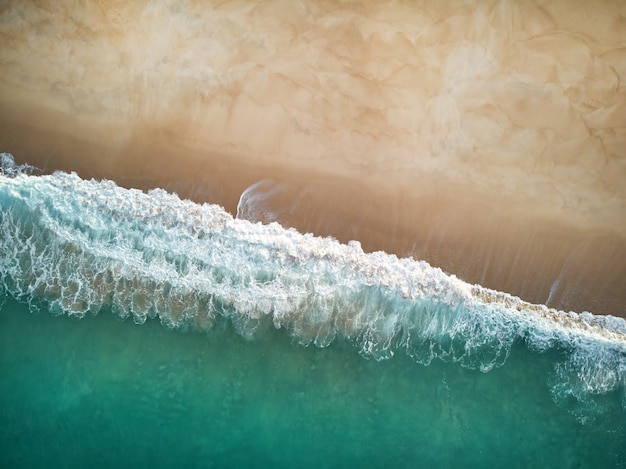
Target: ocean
[
  {"x": 312, "y": 233},
  {"x": 142, "y": 329}
]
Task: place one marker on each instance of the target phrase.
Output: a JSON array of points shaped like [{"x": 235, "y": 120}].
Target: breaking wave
[{"x": 78, "y": 246}]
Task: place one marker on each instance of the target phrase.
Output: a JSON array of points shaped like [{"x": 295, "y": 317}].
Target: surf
[{"x": 80, "y": 246}]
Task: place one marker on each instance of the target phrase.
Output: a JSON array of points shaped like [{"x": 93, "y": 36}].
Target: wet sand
[
  {"x": 478, "y": 238},
  {"x": 488, "y": 140}
]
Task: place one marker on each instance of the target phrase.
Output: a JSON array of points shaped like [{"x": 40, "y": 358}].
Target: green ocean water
[
  {"x": 102, "y": 392},
  {"x": 232, "y": 382}
]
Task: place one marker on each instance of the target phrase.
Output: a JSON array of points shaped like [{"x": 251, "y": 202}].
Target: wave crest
[{"x": 81, "y": 246}]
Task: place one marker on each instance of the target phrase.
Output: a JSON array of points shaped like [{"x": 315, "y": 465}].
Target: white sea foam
[{"x": 80, "y": 246}]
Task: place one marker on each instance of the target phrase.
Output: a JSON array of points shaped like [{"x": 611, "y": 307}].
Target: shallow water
[
  {"x": 105, "y": 392},
  {"x": 289, "y": 349}
]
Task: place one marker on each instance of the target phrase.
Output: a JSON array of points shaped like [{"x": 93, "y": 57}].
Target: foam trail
[
  {"x": 81, "y": 246},
  {"x": 252, "y": 206}
]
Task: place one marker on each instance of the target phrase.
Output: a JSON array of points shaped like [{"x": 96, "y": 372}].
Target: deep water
[{"x": 103, "y": 392}]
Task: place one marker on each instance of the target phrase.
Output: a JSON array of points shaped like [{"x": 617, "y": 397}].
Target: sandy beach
[{"x": 486, "y": 139}]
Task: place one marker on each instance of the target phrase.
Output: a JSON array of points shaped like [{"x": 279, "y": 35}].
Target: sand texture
[{"x": 486, "y": 137}]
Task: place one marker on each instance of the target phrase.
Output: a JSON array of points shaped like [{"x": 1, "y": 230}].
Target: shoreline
[
  {"x": 480, "y": 239},
  {"x": 140, "y": 154},
  {"x": 486, "y": 138}
]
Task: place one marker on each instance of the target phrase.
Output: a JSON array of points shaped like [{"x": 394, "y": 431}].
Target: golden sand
[{"x": 486, "y": 137}]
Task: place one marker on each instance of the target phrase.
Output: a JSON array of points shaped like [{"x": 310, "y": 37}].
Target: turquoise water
[
  {"x": 142, "y": 330},
  {"x": 100, "y": 391}
]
